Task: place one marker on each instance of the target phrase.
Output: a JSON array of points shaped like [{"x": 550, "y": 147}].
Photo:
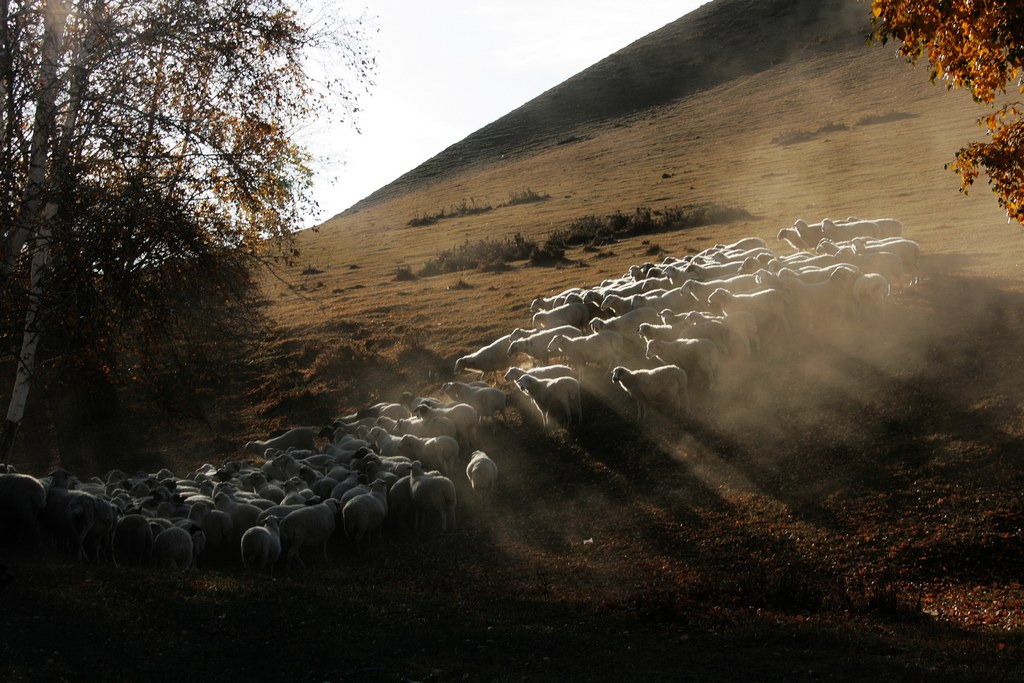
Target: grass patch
[
  {"x": 593, "y": 231},
  {"x": 487, "y": 254}
]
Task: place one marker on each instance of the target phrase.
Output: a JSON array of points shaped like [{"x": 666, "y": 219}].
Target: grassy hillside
[{"x": 849, "y": 509}]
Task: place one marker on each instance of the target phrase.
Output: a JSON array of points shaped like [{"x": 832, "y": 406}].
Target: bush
[
  {"x": 527, "y": 196},
  {"x": 404, "y": 274},
  {"x": 486, "y": 254},
  {"x": 592, "y": 231}
]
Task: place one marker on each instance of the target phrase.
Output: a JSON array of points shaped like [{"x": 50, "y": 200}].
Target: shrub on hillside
[{"x": 486, "y": 254}]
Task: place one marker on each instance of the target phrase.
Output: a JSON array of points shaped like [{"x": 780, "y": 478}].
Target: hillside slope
[{"x": 712, "y": 45}]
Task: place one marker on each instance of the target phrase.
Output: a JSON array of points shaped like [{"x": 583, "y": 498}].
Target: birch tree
[{"x": 149, "y": 142}]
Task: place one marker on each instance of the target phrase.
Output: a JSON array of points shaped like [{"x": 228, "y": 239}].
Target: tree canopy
[
  {"x": 149, "y": 158},
  {"x": 979, "y": 46}
]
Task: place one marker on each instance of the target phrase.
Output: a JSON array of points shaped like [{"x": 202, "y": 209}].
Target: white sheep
[
  {"x": 432, "y": 495},
  {"x": 22, "y": 500},
  {"x": 908, "y": 251},
  {"x": 661, "y": 387},
  {"x": 600, "y": 348},
  {"x": 261, "y": 546},
  {"x": 793, "y": 239},
  {"x": 439, "y": 452},
  {"x": 365, "y": 513},
  {"x": 847, "y": 230},
  {"x": 311, "y": 526},
  {"x": 542, "y": 371},
  {"x": 768, "y": 306},
  {"x": 133, "y": 540},
  {"x": 627, "y": 322},
  {"x": 463, "y": 416},
  {"x": 488, "y": 359},
  {"x": 173, "y": 548},
  {"x": 691, "y": 355},
  {"x": 482, "y": 473},
  {"x": 870, "y": 293},
  {"x": 535, "y": 344},
  {"x": 576, "y": 313},
  {"x": 486, "y": 400},
  {"x": 699, "y": 291},
  {"x": 439, "y": 425},
  {"x": 299, "y": 437},
  {"x": 547, "y": 394},
  {"x": 545, "y": 303}
]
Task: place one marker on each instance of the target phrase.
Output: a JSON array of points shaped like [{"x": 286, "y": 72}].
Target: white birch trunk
[{"x": 42, "y": 131}]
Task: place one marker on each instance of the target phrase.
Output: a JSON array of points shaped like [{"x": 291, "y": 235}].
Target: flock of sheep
[{"x": 658, "y": 332}]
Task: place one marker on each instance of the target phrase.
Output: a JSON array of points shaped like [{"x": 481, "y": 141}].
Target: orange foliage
[{"x": 975, "y": 45}]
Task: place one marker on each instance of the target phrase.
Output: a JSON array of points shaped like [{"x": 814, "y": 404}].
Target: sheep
[
  {"x": 400, "y": 501},
  {"x": 809, "y": 233},
  {"x": 621, "y": 305},
  {"x": 689, "y": 354},
  {"x": 485, "y": 400},
  {"x": 545, "y": 303},
  {"x": 870, "y": 293},
  {"x": 387, "y": 444},
  {"x": 366, "y": 513},
  {"x": 463, "y": 416},
  {"x": 714, "y": 330},
  {"x": 198, "y": 538},
  {"x": 768, "y": 306},
  {"x": 575, "y": 313},
  {"x": 887, "y": 227},
  {"x": 536, "y": 345},
  {"x": 600, "y": 348},
  {"x": 542, "y": 371},
  {"x": 440, "y": 452},
  {"x": 547, "y": 394},
  {"x": 218, "y": 527},
  {"x": 98, "y": 540},
  {"x": 482, "y": 473},
  {"x": 813, "y": 300},
  {"x": 885, "y": 263},
  {"x": 700, "y": 291},
  {"x": 793, "y": 239},
  {"x": 848, "y": 230},
  {"x": 261, "y": 546},
  {"x": 68, "y": 515},
  {"x": 133, "y": 540},
  {"x": 627, "y": 322},
  {"x": 432, "y": 494},
  {"x": 22, "y": 500},
  {"x": 243, "y": 515},
  {"x": 311, "y": 526},
  {"x": 908, "y": 251},
  {"x": 665, "y": 385},
  {"x": 715, "y": 271},
  {"x": 742, "y": 328},
  {"x": 300, "y": 437},
  {"x": 488, "y": 359},
  {"x": 439, "y": 425},
  {"x": 173, "y": 548}
]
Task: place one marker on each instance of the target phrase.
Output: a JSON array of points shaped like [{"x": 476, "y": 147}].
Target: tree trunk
[
  {"x": 30, "y": 338},
  {"x": 42, "y": 132}
]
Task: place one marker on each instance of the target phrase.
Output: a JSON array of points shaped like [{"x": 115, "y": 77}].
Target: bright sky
[{"x": 446, "y": 68}]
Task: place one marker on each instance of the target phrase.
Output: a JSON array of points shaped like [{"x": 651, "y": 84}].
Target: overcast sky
[{"x": 446, "y": 68}]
